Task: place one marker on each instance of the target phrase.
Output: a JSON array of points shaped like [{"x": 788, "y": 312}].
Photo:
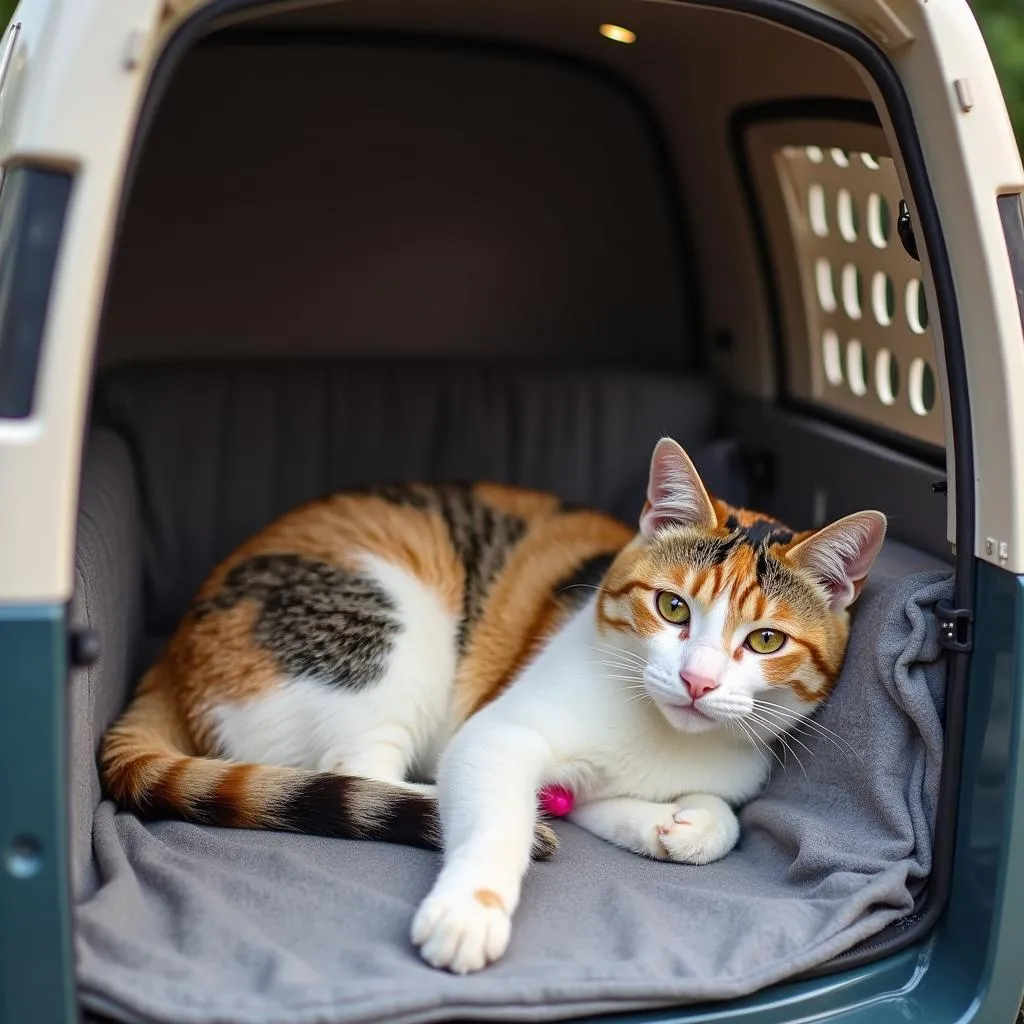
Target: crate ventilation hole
[{"x": 865, "y": 301}]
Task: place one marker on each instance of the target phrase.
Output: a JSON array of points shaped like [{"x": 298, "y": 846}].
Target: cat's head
[{"x": 734, "y": 617}]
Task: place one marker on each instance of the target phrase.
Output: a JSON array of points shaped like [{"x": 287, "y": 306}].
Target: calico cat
[{"x": 499, "y": 642}]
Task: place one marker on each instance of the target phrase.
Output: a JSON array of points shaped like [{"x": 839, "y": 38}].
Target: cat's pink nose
[{"x": 697, "y": 685}]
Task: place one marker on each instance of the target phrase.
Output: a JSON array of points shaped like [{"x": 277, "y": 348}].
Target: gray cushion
[
  {"x": 107, "y": 597},
  {"x": 182, "y": 924},
  {"x": 193, "y": 925},
  {"x": 221, "y": 450}
]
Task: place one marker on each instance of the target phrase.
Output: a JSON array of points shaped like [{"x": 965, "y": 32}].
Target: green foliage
[
  {"x": 1002, "y": 24},
  {"x": 6, "y": 10}
]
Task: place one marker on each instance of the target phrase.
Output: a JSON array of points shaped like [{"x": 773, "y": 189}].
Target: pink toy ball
[{"x": 556, "y": 801}]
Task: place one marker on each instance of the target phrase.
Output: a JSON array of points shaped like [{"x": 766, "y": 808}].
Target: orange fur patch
[
  {"x": 523, "y": 608},
  {"x": 818, "y": 638},
  {"x": 489, "y": 898},
  {"x": 339, "y": 529}
]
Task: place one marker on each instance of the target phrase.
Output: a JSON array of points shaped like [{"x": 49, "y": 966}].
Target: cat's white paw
[
  {"x": 697, "y": 834},
  {"x": 462, "y": 933}
]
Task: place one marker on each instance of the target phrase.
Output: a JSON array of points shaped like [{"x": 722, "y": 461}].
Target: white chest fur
[{"x": 607, "y": 739}]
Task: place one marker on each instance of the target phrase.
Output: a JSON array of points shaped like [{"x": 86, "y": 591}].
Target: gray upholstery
[
  {"x": 194, "y": 925},
  {"x": 108, "y": 598},
  {"x": 180, "y": 924},
  {"x": 222, "y": 449}
]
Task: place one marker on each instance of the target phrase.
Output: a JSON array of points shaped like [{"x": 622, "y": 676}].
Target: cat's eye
[
  {"x": 672, "y": 608},
  {"x": 765, "y": 641}
]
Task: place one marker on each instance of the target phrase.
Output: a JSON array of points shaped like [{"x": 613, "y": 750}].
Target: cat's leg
[
  {"x": 384, "y": 754},
  {"x": 488, "y": 781},
  {"x": 695, "y": 829}
]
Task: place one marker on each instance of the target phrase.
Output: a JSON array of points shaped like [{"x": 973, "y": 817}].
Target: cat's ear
[
  {"x": 840, "y": 556},
  {"x": 675, "y": 494}
]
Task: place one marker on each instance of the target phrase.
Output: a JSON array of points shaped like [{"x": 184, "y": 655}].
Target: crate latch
[
  {"x": 905, "y": 229},
  {"x": 956, "y": 627}
]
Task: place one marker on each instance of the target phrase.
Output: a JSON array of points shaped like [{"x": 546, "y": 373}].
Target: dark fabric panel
[
  {"x": 819, "y": 472},
  {"x": 416, "y": 200},
  {"x": 222, "y": 449},
  {"x": 107, "y": 598}
]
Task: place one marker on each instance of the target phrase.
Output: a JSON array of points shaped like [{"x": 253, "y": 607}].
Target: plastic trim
[{"x": 37, "y": 965}]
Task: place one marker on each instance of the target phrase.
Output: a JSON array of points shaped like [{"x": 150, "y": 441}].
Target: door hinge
[{"x": 956, "y": 627}]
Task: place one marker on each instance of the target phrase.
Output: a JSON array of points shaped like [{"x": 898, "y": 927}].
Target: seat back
[{"x": 221, "y": 449}]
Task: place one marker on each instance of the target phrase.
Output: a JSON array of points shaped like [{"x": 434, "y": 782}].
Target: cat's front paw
[
  {"x": 701, "y": 830},
  {"x": 462, "y": 933}
]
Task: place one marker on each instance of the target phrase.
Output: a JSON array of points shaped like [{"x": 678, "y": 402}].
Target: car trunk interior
[{"x": 372, "y": 242}]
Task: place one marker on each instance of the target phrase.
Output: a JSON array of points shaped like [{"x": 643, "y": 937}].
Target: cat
[{"x": 496, "y": 641}]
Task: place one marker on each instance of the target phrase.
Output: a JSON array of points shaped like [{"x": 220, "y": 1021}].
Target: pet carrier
[{"x": 252, "y": 252}]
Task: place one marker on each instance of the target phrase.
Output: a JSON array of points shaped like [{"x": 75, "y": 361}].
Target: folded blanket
[{"x": 191, "y": 924}]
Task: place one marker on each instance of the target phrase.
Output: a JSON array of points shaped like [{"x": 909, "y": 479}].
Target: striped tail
[{"x": 145, "y": 771}]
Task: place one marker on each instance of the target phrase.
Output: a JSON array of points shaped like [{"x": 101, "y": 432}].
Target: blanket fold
[{"x": 192, "y": 925}]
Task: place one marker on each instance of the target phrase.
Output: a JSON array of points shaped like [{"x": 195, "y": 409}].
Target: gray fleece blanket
[{"x": 191, "y": 924}]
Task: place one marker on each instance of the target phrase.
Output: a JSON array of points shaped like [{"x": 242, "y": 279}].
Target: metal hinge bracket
[{"x": 956, "y": 627}]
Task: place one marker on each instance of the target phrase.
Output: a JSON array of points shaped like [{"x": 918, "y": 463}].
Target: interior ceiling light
[{"x": 617, "y": 33}]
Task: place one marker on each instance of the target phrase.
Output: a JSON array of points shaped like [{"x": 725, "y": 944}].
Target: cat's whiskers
[
  {"x": 753, "y": 739},
  {"x": 790, "y": 724},
  {"x": 636, "y": 691},
  {"x": 577, "y": 586},
  {"x": 757, "y": 716},
  {"x": 611, "y": 651},
  {"x": 610, "y": 648},
  {"x": 781, "y": 737},
  {"x": 625, "y": 666},
  {"x": 799, "y": 720}
]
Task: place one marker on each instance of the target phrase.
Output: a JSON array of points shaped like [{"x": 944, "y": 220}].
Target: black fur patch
[
  {"x": 411, "y": 820},
  {"x": 481, "y": 535},
  {"x": 761, "y": 531},
  {"x": 482, "y": 538},
  {"x": 764, "y": 569},
  {"x": 213, "y": 811},
  {"x": 317, "y": 620},
  {"x": 580, "y": 585},
  {"x": 778, "y": 580},
  {"x": 713, "y": 550},
  {"x": 693, "y": 549},
  {"x": 324, "y": 806},
  {"x": 416, "y": 496},
  {"x": 319, "y": 807}
]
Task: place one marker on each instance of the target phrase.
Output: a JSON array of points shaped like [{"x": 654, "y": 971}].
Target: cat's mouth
[
  {"x": 690, "y": 709},
  {"x": 688, "y": 717}
]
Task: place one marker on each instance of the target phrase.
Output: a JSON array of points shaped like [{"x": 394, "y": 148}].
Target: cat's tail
[{"x": 146, "y": 770}]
